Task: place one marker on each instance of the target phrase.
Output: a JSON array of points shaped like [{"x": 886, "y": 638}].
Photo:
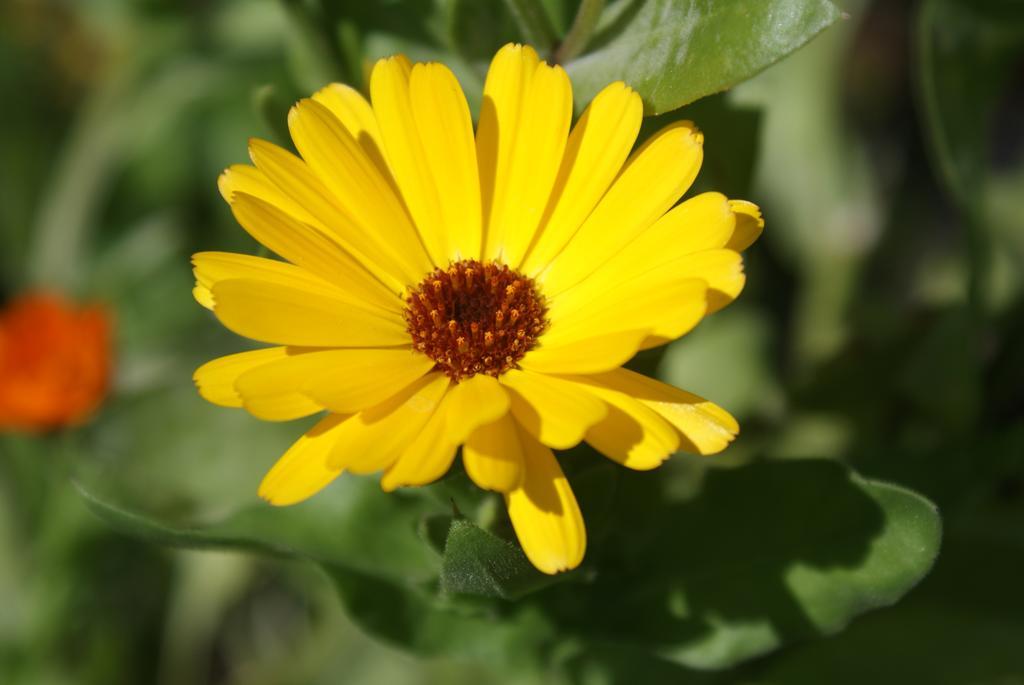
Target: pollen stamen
[{"x": 474, "y": 317}]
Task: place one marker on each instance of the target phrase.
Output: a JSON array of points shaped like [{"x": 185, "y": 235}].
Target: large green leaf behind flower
[
  {"x": 671, "y": 51},
  {"x": 763, "y": 555},
  {"x": 695, "y": 568},
  {"x": 674, "y": 52}
]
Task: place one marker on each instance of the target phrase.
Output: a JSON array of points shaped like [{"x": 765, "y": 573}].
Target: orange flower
[{"x": 54, "y": 362}]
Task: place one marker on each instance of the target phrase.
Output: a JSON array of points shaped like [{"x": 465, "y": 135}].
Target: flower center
[{"x": 475, "y": 317}]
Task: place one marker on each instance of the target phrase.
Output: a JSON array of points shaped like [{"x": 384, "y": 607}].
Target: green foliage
[
  {"x": 477, "y": 562},
  {"x": 755, "y": 558},
  {"x": 330, "y": 530},
  {"x": 417, "y": 621},
  {"x": 945, "y": 633},
  {"x": 673, "y": 52},
  {"x": 764, "y": 555},
  {"x": 968, "y": 54}
]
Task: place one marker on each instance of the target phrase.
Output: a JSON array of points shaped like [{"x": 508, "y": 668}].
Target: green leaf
[
  {"x": 354, "y": 526},
  {"x": 722, "y": 565},
  {"x": 383, "y": 573},
  {"x": 764, "y": 555},
  {"x": 477, "y": 562},
  {"x": 415, "y": 620},
  {"x": 920, "y": 644},
  {"x": 610, "y": 662},
  {"x": 953, "y": 630},
  {"x": 676, "y": 51}
]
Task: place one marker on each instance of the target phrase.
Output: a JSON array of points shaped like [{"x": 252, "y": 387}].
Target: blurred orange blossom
[{"x": 55, "y": 362}]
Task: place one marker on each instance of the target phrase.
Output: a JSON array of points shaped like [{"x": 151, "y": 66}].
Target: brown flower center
[{"x": 475, "y": 317}]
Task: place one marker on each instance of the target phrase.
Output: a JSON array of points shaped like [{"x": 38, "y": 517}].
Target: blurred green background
[{"x": 881, "y": 329}]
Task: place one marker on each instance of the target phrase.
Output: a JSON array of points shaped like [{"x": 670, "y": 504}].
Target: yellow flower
[{"x": 441, "y": 290}]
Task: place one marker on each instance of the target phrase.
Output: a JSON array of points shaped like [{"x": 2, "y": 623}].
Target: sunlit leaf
[
  {"x": 477, "y": 562},
  {"x": 355, "y": 527},
  {"x": 765, "y": 555},
  {"x": 415, "y": 620},
  {"x": 953, "y": 630},
  {"x": 674, "y": 52}
]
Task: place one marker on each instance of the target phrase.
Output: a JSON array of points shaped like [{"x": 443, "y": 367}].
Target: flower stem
[
  {"x": 580, "y": 32},
  {"x": 534, "y": 23}
]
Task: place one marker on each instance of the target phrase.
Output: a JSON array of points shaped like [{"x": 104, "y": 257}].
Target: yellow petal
[
  {"x": 654, "y": 178},
  {"x": 524, "y": 122},
  {"x": 703, "y": 222},
  {"x": 427, "y": 456},
  {"x": 445, "y": 132},
  {"x": 389, "y": 92},
  {"x": 749, "y": 225},
  {"x": 348, "y": 379},
  {"x": 598, "y": 146},
  {"x": 357, "y": 185},
  {"x": 203, "y": 296},
  {"x": 357, "y": 379},
  {"x": 268, "y": 395},
  {"x": 544, "y": 512},
  {"x": 298, "y": 182},
  {"x": 631, "y": 433},
  {"x": 508, "y": 79},
  {"x": 302, "y": 471},
  {"x": 682, "y": 244},
  {"x": 614, "y": 285},
  {"x": 299, "y": 315},
  {"x": 554, "y": 411},
  {"x": 705, "y": 427},
  {"x": 242, "y": 178},
  {"x": 666, "y": 305},
  {"x": 372, "y": 439},
  {"x": 474, "y": 402},
  {"x": 493, "y": 456},
  {"x": 216, "y": 378},
  {"x": 211, "y": 268},
  {"x": 353, "y": 111},
  {"x": 307, "y": 247},
  {"x": 281, "y": 406},
  {"x": 587, "y": 355},
  {"x": 722, "y": 270}
]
